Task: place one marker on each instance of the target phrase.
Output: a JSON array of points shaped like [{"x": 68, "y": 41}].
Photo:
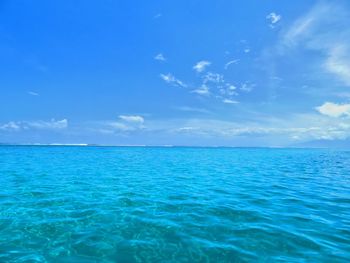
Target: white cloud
[
  {"x": 160, "y": 57},
  {"x": 170, "y": 79},
  {"x": 203, "y": 90},
  {"x": 334, "y": 109},
  {"x": 157, "y": 16},
  {"x": 10, "y": 126},
  {"x": 201, "y": 65},
  {"x": 274, "y": 18},
  {"x": 246, "y": 50},
  {"x": 132, "y": 118},
  {"x": 33, "y": 93}
]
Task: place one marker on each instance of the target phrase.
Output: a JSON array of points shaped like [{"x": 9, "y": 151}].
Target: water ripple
[{"x": 102, "y": 204}]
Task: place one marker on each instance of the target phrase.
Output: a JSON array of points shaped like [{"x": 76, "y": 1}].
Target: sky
[{"x": 187, "y": 72}]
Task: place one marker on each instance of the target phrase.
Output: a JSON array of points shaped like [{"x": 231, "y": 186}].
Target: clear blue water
[{"x": 109, "y": 204}]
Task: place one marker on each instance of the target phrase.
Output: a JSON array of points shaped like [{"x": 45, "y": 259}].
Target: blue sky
[{"x": 233, "y": 73}]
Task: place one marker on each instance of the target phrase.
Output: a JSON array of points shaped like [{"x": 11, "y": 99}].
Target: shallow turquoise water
[{"x": 109, "y": 204}]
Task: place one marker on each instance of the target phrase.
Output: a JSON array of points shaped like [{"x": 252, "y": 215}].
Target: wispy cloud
[
  {"x": 334, "y": 109},
  {"x": 132, "y": 118},
  {"x": 186, "y": 129},
  {"x": 10, "y": 126},
  {"x": 294, "y": 129},
  {"x": 192, "y": 109},
  {"x": 338, "y": 62},
  {"x": 267, "y": 131},
  {"x": 170, "y": 79},
  {"x": 39, "y": 125},
  {"x": 247, "y": 87},
  {"x": 229, "y": 101},
  {"x": 300, "y": 28},
  {"x": 212, "y": 84},
  {"x": 213, "y": 78},
  {"x": 218, "y": 86},
  {"x": 118, "y": 126},
  {"x": 201, "y": 65},
  {"x": 231, "y": 62},
  {"x": 124, "y": 124},
  {"x": 160, "y": 57},
  {"x": 231, "y": 89},
  {"x": 48, "y": 125},
  {"x": 210, "y": 81},
  {"x": 324, "y": 29},
  {"x": 203, "y": 90},
  {"x": 32, "y": 93}
]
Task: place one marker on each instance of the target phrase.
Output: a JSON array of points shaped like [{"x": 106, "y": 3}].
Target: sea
[{"x": 174, "y": 204}]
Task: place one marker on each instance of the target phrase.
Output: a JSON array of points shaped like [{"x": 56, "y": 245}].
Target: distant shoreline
[{"x": 157, "y": 146}]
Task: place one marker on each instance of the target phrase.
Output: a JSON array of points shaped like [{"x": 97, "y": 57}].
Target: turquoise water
[{"x": 110, "y": 204}]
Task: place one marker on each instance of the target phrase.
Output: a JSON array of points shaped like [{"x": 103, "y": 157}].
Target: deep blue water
[{"x": 110, "y": 204}]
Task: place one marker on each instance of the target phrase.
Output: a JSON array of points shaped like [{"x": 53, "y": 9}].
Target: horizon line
[{"x": 161, "y": 146}]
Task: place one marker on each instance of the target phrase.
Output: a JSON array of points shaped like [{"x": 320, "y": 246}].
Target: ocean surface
[{"x": 143, "y": 204}]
